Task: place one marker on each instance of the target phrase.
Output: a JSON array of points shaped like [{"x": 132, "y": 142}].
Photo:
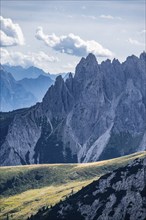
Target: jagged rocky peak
[
  {"x": 59, "y": 80},
  {"x": 70, "y": 75},
  {"x": 109, "y": 63},
  {"x": 99, "y": 114},
  {"x": 70, "y": 83},
  {"x": 116, "y": 62},
  {"x": 143, "y": 56},
  {"x": 58, "y": 99},
  {"x": 87, "y": 68},
  {"x": 132, "y": 59},
  {"x": 91, "y": 58},
  {"x": 54, "y": 90},
  {"x": 134, "y": 68},
  {"x": 106, "y": 62}
]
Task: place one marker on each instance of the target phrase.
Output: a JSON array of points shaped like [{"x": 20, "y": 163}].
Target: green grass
[{"x": 24, "y": 189}]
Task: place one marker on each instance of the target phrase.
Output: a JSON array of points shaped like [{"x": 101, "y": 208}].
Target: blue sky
[{"x": 54, "y": 35}]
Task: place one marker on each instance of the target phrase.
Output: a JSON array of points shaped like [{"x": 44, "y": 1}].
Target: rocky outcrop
[
  {"x": 100, "y": 113},
  {"x": 117, "y": 195}
]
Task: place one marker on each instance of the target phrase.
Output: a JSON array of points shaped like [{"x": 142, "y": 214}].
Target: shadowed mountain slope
[{"x": 98, "y": 114}]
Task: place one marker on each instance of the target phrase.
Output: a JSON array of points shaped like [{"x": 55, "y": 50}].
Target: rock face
[
  {"x": 13, "y": 94},
  {"x": 117, "y": 195},
  {"x": 100, "y": 113}
]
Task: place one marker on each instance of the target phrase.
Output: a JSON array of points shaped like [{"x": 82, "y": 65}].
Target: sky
[{"x": 54, "y": 35}]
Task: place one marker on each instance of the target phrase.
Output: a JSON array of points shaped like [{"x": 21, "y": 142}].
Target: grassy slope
[{"x": 24, "y": 189}]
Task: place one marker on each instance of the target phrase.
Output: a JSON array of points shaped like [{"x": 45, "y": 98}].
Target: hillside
[
  {"x": 116, "y": 195},
  {"x": 25, "y": 189}
]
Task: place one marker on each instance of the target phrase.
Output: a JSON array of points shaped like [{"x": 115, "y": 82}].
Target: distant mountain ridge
[
  {"x": 32, "y": 72},
  {"x": 34, "y": 80},
  {"x": 37, "y": 86},
  {"x": 19, "y": 73},
  {"x": 13, "y": 95},
  {"x": 34, "y": 87},
  {"x": 98, "y": 114}
]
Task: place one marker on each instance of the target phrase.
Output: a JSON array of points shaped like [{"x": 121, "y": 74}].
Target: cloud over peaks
[
  {"x": 72, "y": 44},
  {"x": 39, "y": 59},
  {"x": 10, "y": 33}
]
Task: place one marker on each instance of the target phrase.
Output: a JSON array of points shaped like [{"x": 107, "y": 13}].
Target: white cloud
[
  {"x": 89, "y": 16},
  {"x": 10, "y": 33},
  {"x": 39, "y": 59},
  {"x": 69, "y": 66},
  {"x": 142, "y": 32},
  {"x": 72, "y": 44},
  {"x": 135, "y": 42},
  {"x": 110, "y": 17},
  {"x": 106, "y": 16}
]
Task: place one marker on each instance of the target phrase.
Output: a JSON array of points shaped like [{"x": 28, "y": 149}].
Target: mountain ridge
[
  {"x": 97, "y": 114},
  {"x": 19, "y": 73}
]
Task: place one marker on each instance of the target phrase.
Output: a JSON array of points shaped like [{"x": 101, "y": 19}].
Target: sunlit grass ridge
[{"x": 24, "y": 189}]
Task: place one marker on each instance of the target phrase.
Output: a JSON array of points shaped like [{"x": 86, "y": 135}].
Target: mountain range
[
  {"x": 13, "y": 94},
  {"x": 32, "y": 72},
  {"x": 33, "y": 81},
  {"x": 19, "y": 73},
  {"x": 37, "y": 86},
  {"x": 97, "y": 114}
]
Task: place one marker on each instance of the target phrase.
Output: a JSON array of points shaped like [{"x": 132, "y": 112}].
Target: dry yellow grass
[
  {"x": 22, "y": 205},
  {"x": 64, "y": 179}
]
